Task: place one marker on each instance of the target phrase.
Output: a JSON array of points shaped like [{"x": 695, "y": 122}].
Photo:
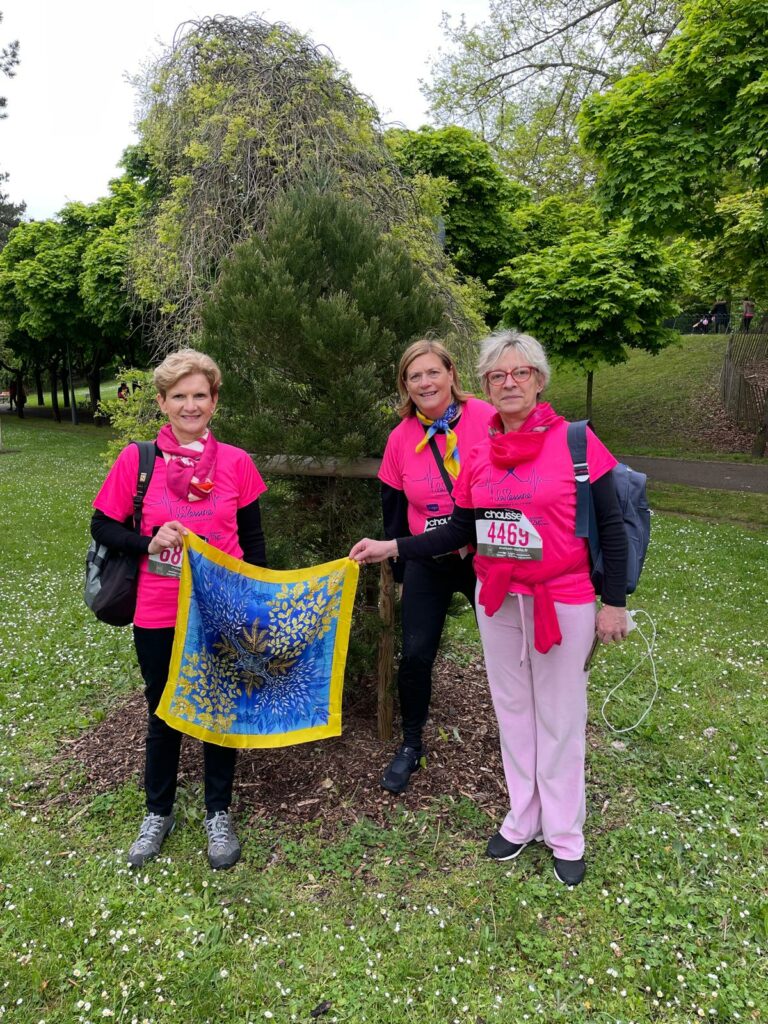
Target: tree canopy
[
  {"x": 520, "y": 78},
  {"x": 672, "y": 141},
  {"x": 595, "y": 291},
  {"x": 237, "y": 112},
  {"x": 62, "y": 284},
  {"x": 476, "y": 198}
]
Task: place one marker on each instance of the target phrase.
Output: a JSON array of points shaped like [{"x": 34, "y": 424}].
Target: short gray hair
[{"x": 495, "y": 345}]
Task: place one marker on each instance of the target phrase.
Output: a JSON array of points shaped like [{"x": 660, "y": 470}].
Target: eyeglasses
[
  {"x": 430, "y": 375},
  {"x": 520, "y": 374}
]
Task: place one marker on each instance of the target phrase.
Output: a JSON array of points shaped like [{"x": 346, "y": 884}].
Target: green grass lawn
[
  {"x": 407, "y": 923},
  {"x": 652, "y": 405}
]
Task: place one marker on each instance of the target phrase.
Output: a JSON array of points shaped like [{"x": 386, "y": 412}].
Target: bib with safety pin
[
  {"x": 167, "y": 562},
  {"x": 507, "y": 533}
]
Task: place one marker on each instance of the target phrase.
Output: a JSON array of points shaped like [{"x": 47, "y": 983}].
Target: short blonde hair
[
  {"x": 183, "y": 363},
  {"x": 495, "y": 345},
  {"x": 425, "y": 347}
]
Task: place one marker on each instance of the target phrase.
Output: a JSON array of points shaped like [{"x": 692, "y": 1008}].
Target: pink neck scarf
[
  {"x": 507, "y": 451},
  {"x": 189, "y": 469}
]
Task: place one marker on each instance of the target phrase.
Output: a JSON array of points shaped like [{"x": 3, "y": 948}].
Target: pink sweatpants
[{"x": 541, "y": 707}]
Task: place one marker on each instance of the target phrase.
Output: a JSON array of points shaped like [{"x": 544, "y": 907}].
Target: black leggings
[
  {"x": 428, "y": 586},
  {"x": 153, "y": 647}
]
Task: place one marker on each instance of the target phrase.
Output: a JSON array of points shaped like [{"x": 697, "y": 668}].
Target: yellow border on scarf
[{"x": 288, "y": 739}]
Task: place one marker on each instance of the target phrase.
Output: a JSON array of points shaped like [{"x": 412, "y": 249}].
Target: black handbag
[{"x": 112, "y": 576}]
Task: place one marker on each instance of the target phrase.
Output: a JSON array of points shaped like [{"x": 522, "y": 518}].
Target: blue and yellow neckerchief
[{"x": 443, "y": 425}]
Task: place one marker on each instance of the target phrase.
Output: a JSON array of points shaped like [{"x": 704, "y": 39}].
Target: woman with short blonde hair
[{"x": 196, "y": 483}]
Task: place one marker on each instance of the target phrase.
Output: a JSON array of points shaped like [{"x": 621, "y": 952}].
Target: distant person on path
[
  {"x": 440, "y": 424},
  {"x": 747, "y": 313},
  {"x": 213, "y": 489},
  {"x": 11, "y": 395},
  {"x": 722, "y": 316},
  {"x": 516, "y": 501}
]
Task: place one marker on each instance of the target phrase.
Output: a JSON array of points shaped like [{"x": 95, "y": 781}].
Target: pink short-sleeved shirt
[
  {"x": 417, "y": 474},
  {"x": 237, "y": 483},
  {"x": 543, "y": 492}
]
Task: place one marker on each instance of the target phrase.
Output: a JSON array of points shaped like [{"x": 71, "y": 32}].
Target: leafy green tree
[
  {"x": 520, "y": 78},
  {"x": 308, "y": 323},
  {"x": 10, "y": 213},
  {"x": 237, "y": 112},
  {"x": 673, "y": 141},
  {"x": 595, "y": 293},
  {"x": 62, "y": 291},
  {"x": 477, "y": 199}
]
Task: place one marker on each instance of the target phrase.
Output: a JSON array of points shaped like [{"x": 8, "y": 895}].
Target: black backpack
[
  {"x": 111, "y": 576},
  {"x": 633, "y": 501}
]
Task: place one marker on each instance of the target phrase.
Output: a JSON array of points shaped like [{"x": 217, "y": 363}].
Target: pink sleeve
[
  {"x": 390, "y": 471},
  {"x": 251, "y": 484},
  {"x": 599, "y": 459},
  {"x": 115, "y": 497}
]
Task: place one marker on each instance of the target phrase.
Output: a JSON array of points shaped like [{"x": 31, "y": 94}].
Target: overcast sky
[{"x": 71, "y": 109}]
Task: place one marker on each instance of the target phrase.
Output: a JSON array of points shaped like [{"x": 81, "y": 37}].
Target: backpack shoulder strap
[
  {"x": 146, "y": 465},
  {"x": 577, "y": 445}
]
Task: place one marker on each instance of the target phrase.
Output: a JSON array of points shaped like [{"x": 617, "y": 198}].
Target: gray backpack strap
[{"x": 577, "y": 444}]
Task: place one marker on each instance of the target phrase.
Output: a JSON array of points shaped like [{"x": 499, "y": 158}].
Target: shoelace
[
  {"x": 218, "y": 828},
  {"x": 151, "y": 827}
]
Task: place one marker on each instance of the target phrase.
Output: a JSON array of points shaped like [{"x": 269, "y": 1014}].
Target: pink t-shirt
[
  {"x": 237, "y": 483},
  {"x": 541, "y": 495},
  {"x": 416, "y": 473}
]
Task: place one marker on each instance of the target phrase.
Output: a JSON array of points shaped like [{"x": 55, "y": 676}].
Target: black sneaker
[
  {"x": 406, "y": 761},
  {"x": 570, "y": 872},
  {"x": 499, "y": 848}
]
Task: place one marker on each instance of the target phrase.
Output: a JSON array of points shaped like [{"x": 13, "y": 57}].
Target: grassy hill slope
[{"x": 666, "y": 404}]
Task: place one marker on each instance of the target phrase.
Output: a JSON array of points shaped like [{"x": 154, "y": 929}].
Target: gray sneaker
[
  {"x": 153, "y": 831},
  {"x": 223, "y": 844}
]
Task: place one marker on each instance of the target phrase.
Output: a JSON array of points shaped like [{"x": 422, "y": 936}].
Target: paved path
[{"x": 724, "y": 476}]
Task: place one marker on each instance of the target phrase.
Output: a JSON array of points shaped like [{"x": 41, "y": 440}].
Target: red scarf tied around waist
[
  {"x": 188, "y": 468},
  {"x": 509, "y": 450}
]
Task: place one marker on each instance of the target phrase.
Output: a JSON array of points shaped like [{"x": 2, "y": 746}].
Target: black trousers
[
  {"x": 153, "y": 647},
  {"x": 428, "y": 586}
]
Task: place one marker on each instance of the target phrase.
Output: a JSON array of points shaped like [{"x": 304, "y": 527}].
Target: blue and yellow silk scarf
[
  {"x": 442, "y": 425},
  {"x": 259, "y": 654}
]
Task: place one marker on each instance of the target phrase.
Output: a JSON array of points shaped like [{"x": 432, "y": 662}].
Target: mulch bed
[{"x": 334, "y": 780}]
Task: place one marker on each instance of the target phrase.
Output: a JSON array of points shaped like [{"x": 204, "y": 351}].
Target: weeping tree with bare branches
[
  {"x": 520, "y": 78},
  {"x": 233, "y": 115}
]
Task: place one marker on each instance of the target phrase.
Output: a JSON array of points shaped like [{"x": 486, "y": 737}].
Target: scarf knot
[
  {"x": 443, "y": 425},
  {"x": 189, "y": 468}
]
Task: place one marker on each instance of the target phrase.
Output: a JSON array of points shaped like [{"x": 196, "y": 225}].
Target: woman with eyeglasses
[
  {"x": 439, "y": 425},
  {"x": 516, "y": 501}
]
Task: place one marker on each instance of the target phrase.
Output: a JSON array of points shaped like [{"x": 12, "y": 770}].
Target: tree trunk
[
  {"x": 590, "y": 381},
  {"x": 54, "y": 375},
  {"x": 39, "y": 385},
  {"x": 94, "y": 388},
  {"x": 64, "y": 389},
  {"x": 21, "y": 396}
]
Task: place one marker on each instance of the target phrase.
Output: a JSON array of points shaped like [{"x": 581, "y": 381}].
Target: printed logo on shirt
[
  {"x": 432, "y": 522},
  {"x": 507, "y": 533}
]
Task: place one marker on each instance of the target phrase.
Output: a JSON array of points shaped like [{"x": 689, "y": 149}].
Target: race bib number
[
  {"x": 167, "y": 562},
  {"x": 507, "y": 533},
  {"x": 432, "y": 522}
]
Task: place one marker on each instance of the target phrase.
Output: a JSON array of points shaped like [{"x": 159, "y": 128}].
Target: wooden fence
[
  {"x": 358, "y": 469},
  {"x": 744, "y": 384}
]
